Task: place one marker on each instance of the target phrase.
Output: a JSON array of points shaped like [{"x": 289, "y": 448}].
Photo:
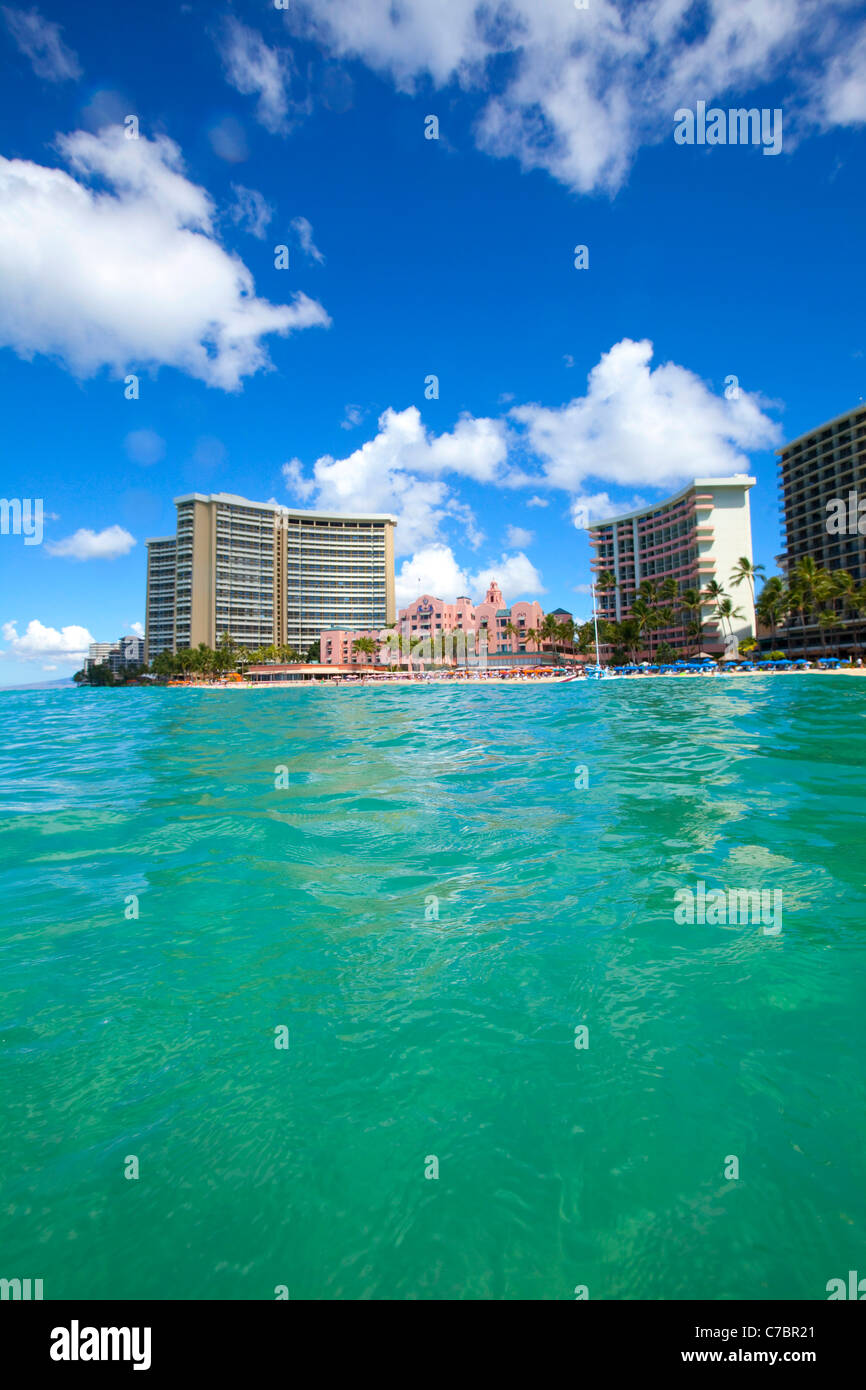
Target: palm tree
[
  {"x": 713, "y": 593},
  {"x": 772, "y": 605},
  {"x": 550, "y": 629},
  {"x": 514, "y": 631},
  {"x": 808, "y": 588},
  {"x": 826, "y": 620},
  {"x": 744, "y": 569},
  {"x": 566, "y": 632},
  {"x": 727, "y": 613},
  {"x": 644, "y": 617},
  {"x": 367, "y": 646},
  {"x": 692, "y": 603}
]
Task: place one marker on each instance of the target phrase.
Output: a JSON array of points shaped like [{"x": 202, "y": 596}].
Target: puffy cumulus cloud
[
  {"x": 93, "y": 545},
  {"x": 41, "y": 643},
  {"x": 402, "y": 471},
  {"x": 433, "y": 569},
  {"x": 296, "y": 484},
  {"x": 582, "y": 90},
  {"x": 537, "y": 502},
  {"x": 517, "y": 537},
  {"x": 637, "y": 425},
  {"x": 516, "y": 576},
  {"x": 139, "y": 279},
  {"x": 137, "y": 628},
  {"x": 39, "y": 40}
]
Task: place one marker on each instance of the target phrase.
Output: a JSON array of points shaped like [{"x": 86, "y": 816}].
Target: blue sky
[{"x": 561, "y": 391}]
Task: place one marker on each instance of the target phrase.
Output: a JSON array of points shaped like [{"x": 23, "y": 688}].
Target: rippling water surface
[{"x": 413, "y": 1035}]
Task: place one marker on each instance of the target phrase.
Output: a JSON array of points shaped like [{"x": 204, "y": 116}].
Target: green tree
[
  {"x": 773, "y": 605},
  {"x": 692, "y": 604},
  {"x": 745, "y": 570},
  {"x": 366, "y": 646}
]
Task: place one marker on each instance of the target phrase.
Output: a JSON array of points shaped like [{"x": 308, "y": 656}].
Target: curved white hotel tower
[{"x": 696, "y": 536}]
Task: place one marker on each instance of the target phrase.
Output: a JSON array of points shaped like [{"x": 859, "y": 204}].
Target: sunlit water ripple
[{"x": 413, "y": 1034}]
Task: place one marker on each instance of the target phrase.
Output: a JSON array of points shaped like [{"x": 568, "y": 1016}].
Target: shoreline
[{"x": 497, "y": 681}]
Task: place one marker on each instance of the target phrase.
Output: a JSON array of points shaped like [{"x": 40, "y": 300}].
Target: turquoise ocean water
[{"x": 413, "y": 1035}]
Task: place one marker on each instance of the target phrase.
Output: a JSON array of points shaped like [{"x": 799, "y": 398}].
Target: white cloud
[
  {"x": 39, "y": 40},
  {"x": 354, "y": 415},
  {"x": 140, "y": 279},
  {"x": 842, "y": 89},
  {"x": 137, "y": 628},
  {"x": 537, "y": 502},
  {"x": 434, "y": 570},
  {"x": 41, "y": 643},
  {"x": 582, "y": 90},
  {"x": 517, "y": 537},
  {"x": 431, "y": 570},
  {"x": 516, "y": 576},
  {"x": 635, "y": 425},
  {"x": 254, "y": 69},
  {"x": 250, "y": 211},
  {"x": 296, "y": 484},
  {"x": 145, "y": 447},
  {"x": 304, "y": 230},
  {"x": 93, "y": 545},
  {"x": 402, "y": 469}
]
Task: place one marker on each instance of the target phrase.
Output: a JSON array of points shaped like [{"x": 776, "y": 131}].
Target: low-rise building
[
  {"x": 491, "y": 625},
  {"x": 126, "y": 651}
]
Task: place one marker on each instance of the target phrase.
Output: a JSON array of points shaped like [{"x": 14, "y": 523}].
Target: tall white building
[
  {"x": 266, "y": 574},
  {"x": 694, "y": 537}
]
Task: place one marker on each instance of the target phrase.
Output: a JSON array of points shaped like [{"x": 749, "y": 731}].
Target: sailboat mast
[{"x": 595, "y": 624}]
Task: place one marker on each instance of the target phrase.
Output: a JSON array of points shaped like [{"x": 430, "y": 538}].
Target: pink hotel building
[{"x": 430, "y": 617}]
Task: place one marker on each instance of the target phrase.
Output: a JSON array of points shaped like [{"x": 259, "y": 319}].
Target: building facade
[
  {"x": 266, "y": 574},
  {"x": 159, "y": 603},
  {"x": 126, "y": 651},
  {"x": 504, "y": 628},
  {"x": 822, "y": 492},
  {"x": 694, "y": 537},
  {"x": 816, "y": 471},
  {"x": 430, "y": 617}
]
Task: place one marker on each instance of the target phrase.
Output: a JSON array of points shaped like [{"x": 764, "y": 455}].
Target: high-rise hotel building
[
  {"x": 696, "y": 536},
  {"x": 266, "y": 574},
  {"x": 825, "y": 466}
]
